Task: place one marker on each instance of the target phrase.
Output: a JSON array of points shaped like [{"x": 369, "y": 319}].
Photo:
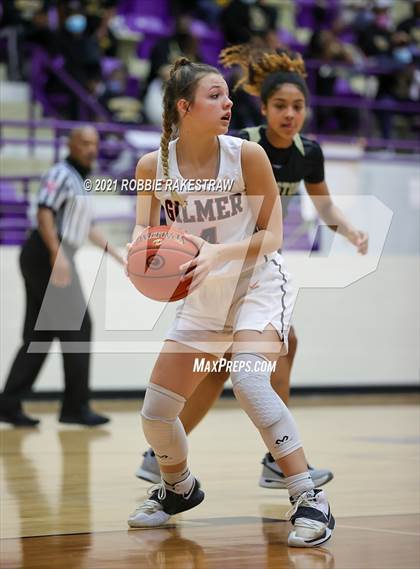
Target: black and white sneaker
[
  {"x": 312, "y": 519},
  {"x": 273, "y": 477},
  {"x": 163, "y": 503}
]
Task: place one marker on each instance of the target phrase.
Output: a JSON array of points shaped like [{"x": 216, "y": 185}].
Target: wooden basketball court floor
[{"x": 66, "y": 492}]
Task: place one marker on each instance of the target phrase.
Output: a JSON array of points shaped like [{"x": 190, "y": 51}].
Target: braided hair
[{"x": 265, "y": 70}]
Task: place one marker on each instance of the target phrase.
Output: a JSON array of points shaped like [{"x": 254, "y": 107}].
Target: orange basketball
[{"x": 153, "y": 263}]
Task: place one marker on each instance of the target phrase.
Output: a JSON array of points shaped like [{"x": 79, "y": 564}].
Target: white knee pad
[
  {"x": 161, "y": 426},
  {"x": 252, "y": 388}
]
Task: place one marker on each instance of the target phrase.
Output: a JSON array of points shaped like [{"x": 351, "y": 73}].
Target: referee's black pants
[{"x": 64, "y": 315}]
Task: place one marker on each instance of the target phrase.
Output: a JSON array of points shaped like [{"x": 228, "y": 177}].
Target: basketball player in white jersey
[
  {"x": 243, "y": 307},
  {"x": 277, "y": 78}
]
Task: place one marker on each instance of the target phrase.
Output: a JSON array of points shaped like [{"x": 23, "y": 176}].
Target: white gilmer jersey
[{"x": 216, "y": 210}]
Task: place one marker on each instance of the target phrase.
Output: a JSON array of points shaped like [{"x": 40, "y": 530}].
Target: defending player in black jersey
[{"x": 279, "y": 80}]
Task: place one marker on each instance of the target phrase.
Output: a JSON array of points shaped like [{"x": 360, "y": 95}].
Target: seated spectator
[
  {"x": 206, "y": 10},
  {"x": 99, "y": 14},
  {"x": 243, "y": 20},
  {"x": 377, "y": 41},
  {"x": 81, "y": 54},
  {"x": 121, "y": 107},
  {"x": 326, "y": 46},
  {"x": 411, "y": 26},
  {"x": 163, "y": 55},
  {"x": 21, "y": 22},
  {"x": 375, "y": 38}
]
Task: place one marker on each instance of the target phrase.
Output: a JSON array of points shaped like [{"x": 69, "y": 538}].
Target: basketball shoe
[
  {"x": 312, "y": 519},
  {"x": 273, "y": 477},
  {"x": 149, "y": 468},
  {"x": 164, "y": 503}
]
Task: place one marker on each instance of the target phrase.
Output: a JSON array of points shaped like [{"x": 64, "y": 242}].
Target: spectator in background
[
  {"x": 375, "y": 38},
  {"x": 407, "y": 53},
  {"x": 163, "y": 55},
  {"x": 81, "y": 54},
  {"x": 326, "y": 46},
  {"x": 122, "y": 107},
  {"x": 55, "y": 304},
  {"x": 99, "y": 14},
  {"x": 80, "y": 49},
  {"x": 20, "y": 22},
  {"x": 388, "y": 48},
  {"x": 206, "y": 10},
  {"x": 411, "y": 26},
  {"x": 248, "y": 20}
]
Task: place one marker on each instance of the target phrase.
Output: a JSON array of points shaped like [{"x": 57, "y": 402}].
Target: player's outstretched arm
[{"x": 334, "y": 217}]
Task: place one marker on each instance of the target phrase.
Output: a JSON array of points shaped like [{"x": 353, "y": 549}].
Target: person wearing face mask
[
  {"x": 80, "y": 50},
  {"x": 121, "y": 106},
  {"x": 375, "y": 39},
  {"x": 81, "y": 53},
  {"x": 55, "y": 304}
]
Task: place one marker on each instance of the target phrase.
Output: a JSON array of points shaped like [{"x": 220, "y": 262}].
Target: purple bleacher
[
  {"x": 133, "y": 87},
  {"x": 50, "y": 103},
  {"x": 3, "y": 49},
  {"x": 42, "y": 64},
  {"x": 296, "y": 236},
  {"x": 289, "y": 40},
  {"x": 305, "y": 14},
  {"x": 13, "y": 232},
  {"x": 14, "y": 221},
  {"x": 342, "y": 88},
  {"x": 149, "y": 17},
  {"x": 157, "y": 8},
  {"x": 109, "y": 65},
  {"x": 211, "y": 41}
]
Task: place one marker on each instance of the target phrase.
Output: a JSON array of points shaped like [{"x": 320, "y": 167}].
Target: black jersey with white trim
[{"x": 303, "y": 160}]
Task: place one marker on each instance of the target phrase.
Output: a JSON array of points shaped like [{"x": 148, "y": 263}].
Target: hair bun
[{"x": 180, "y": 62}]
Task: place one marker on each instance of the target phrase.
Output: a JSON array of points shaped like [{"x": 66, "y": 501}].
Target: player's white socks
[
  {"x": 178, "y": 482},
  {"x": 299, "y": 483}
]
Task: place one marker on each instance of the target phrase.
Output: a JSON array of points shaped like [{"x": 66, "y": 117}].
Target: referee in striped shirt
[{"x": 55, "y": 305}]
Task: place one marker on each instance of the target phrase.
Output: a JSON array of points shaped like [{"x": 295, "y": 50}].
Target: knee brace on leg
[
  {"x": 161, "y": 426},
  {"x": 252, "y": 389}
]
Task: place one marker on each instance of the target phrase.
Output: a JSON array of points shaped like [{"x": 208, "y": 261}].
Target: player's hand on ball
[
  {"x": 360, "y": 239},
  {"x": 206, "y": 260},
  {"x": 61, "y": 270}
]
